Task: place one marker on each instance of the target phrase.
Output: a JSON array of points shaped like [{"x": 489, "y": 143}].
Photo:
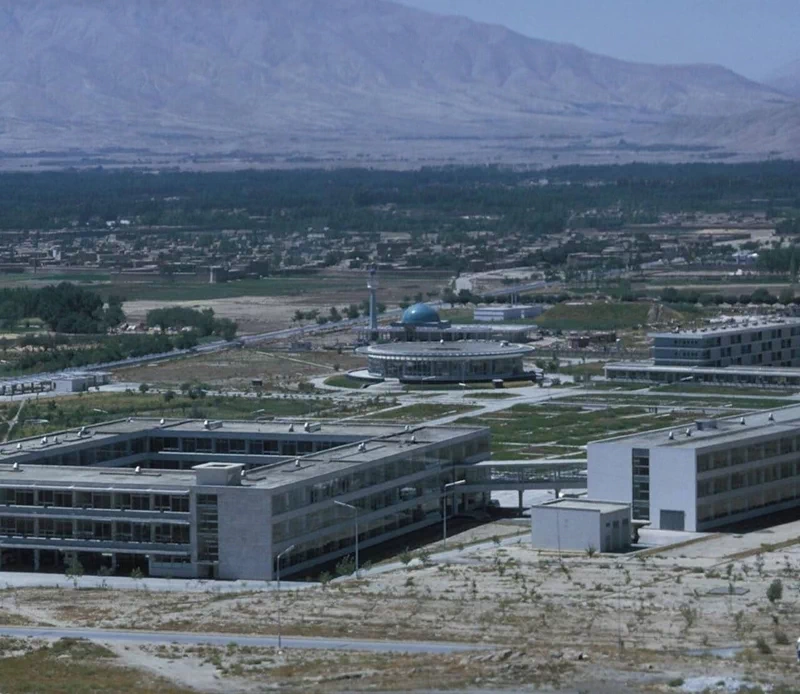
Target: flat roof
[
  {"x": 725, "y": 430},
  {"x": 434, "y": 350},
  {"x": 716, "y": 370},
  {"x": 584, "y": 505},
  {"x": 389, "y": 441},
  {"x": 729, "y": 329}
]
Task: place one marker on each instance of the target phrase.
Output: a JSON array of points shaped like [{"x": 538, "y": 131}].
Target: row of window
[
  {"x": 66, "y": 529},
  {"x": 116, "y": 501},
  {"x": 747, "y": 454},
  {"x": 746, "y": 502},
  {"x": 751, "y": 478}
]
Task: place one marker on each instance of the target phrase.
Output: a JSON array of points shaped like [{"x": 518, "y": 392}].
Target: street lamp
[
  {"x": 355, "y": 510},
  {"x": 278, "y": 559},
  {"x": 449, "y": 485}
]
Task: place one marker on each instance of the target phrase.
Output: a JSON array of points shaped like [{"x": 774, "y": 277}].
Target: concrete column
[
  {"x": 36, "y": 559},
  {"x": 520, "y": 501}
]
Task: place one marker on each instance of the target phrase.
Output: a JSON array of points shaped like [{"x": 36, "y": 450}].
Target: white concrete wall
[
  {"x": 673, "y": 484},
  {"x": 568, "y": 529},
  {"x": 245, "y": 533},
  {"x": 610, "y": 472}
]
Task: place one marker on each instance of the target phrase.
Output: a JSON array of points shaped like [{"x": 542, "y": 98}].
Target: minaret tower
[{"x": 372, "y": 285}]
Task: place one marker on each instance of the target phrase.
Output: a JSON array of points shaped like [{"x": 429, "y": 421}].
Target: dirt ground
[
  {"x": 235, "y": 369},
  {"x": 616, "y": 623},
  {"x": 254, "y": 314}
]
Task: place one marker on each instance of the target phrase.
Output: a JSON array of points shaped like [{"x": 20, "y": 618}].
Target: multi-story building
[
  {"x": 743, "y": 344},
  {"x": 710, "y": 474},
  {"x": 222, "y": 499},
  {"x": 748, "y": 353}
]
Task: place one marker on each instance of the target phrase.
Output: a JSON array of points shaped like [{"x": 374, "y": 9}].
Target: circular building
[{"x": 453, "y": 362}]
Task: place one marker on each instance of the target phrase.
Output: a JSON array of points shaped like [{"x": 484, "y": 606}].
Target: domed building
[
  {"x": 422, "y": 323},
  {"x": 421, "y": 314}
]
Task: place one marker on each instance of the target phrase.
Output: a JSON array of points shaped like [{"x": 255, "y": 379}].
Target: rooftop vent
[
  {"x": 688, "y": 432},
  {"x": 137, "y": 470},
  {"x": 671, "y": 435},
  {"x": 705, "y": 424},
  {"x": 742, "y": 421},
  {"x": 205, "y": 424},
  {"x": 297, "y": 462},
  {"x": 362, "y": 446},
  {"x": 19, "y": 446},
  {"x": 413, "y": 438},
  {"x": 771, "y": 417},
  {"x": 306, "y": 426},
  {"x": 15, "y": 466},
  {"x": 291, "y": 427},
  {"x": 406, "y": 428},
  {"x": 162, "y": 421},
  {"x": 44, "y": 440}
]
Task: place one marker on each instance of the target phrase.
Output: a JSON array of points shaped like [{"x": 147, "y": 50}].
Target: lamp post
[
  {"x": 355, "y": 511},
  {"x": 448, "y": 485},
  {"x": 278, "y": 559}
]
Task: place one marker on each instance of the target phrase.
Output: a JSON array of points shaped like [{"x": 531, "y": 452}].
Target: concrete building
[
  {"x": 497, "y": 314},
  {"x": 580, "y": 524},
  {"x": 454, "y": 362},
  {"x": 186, "y": 498},
  {"x": 750, "y": 343},
  {"x": 66, "y": 382},
  {"x": 709, "y": 474},
  {"x": 746, "y": 353},
  {"x": 421, "y": 323}
]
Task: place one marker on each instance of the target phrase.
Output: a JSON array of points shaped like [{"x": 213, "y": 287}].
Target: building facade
[
  {"x": 455, "y": 362},
  {"x": 498, "y": 314},
  {"x": 578, "y": 525},
  {"x": 712, "y": 473},
  {"x": 222, "y": 499},
  {"x": 744, "y": 344}
]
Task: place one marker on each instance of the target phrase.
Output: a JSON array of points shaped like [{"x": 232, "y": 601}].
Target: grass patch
[
  {"x": 594, "y": 316},
  {"x": 528, "y": 425},
  {"x": 421, "y": 412},
  {"x": 76, "y": 666},
  {"x": 722, "y": 390},
  {"x": 491, "y": 395},
  {"x": 344, "y": 381}
]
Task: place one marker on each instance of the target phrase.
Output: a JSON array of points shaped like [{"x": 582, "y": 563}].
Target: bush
[
  {"x": 676, "y": 682},
  {"x": 780, "y": 637},
  {"x": 763, "y": 647},
  {"x": 775, "y": 591},
  {"x": 591, "y": 550}
]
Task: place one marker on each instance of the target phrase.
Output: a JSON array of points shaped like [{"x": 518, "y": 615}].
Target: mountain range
[{"x": 355, "y": 80}]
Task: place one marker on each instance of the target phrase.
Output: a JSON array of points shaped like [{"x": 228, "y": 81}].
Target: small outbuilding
[{"x": 581, "y": 524}]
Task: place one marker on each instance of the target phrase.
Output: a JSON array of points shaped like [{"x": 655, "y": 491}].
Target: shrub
[
  {"x": 763, "y": 647},
  {"x": 591, "y": 550},
  {"x": 676, "y": 682},
  {"x": 780, "y": 637},
  {"x": 775, "y": 590}
]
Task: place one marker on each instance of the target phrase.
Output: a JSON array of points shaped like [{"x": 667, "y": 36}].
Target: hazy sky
[{"x": 752, "y": 37}]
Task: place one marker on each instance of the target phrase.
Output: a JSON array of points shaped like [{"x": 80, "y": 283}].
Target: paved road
[{"x": 299, "y": 642}]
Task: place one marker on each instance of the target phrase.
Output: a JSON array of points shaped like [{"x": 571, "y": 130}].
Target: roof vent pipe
[
  {"x": 688, "y": 432},
  {"x": 671, "y": 435},
  {"x": 742, "y": 421}
]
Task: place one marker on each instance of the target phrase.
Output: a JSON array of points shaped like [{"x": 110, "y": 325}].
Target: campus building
[
  {"x": 578, "y": 525},
  {"x": 186, "y": 498},
  {"x": 497, "y": 314},
  {"x": 749, "y": 353},
  {"x": 453, "y": 362},
  {"x": 703, "y": 476}
]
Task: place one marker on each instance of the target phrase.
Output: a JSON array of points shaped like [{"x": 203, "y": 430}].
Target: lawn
[
  {"x": 422, "y": 412},
  {"x": 530, "y": 425},
  {"x": 75, "y": 666},
  {"x": 599, "y": 315}
]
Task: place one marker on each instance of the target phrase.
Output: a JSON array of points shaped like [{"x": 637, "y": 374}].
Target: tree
[
  {"x": 73, "y": 569},
  {"x": 169, "y": 396},
  {"x": 143, "y": 388},
  {"x": 786, "y": 296},
  {"x": 353, "y": 311},
  {"x": 775, "y": 591}
]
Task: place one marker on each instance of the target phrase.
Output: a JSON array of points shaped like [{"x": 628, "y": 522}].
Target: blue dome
[{"x": 420, "y": 314}]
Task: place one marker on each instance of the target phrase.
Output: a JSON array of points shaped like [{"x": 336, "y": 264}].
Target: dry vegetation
[
  {"x": 545, "y": 620},
  {"x": 236, "y": 369}
]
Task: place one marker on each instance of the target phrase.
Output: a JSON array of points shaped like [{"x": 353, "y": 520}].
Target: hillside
[{"x": 338, "y": 78}]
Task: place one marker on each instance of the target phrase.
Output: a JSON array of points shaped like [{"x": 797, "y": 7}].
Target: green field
[
  {"x": 422, "y": 412},
  {"x": 594, "y": 316},
  {"x": 524, "y": 428}
]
